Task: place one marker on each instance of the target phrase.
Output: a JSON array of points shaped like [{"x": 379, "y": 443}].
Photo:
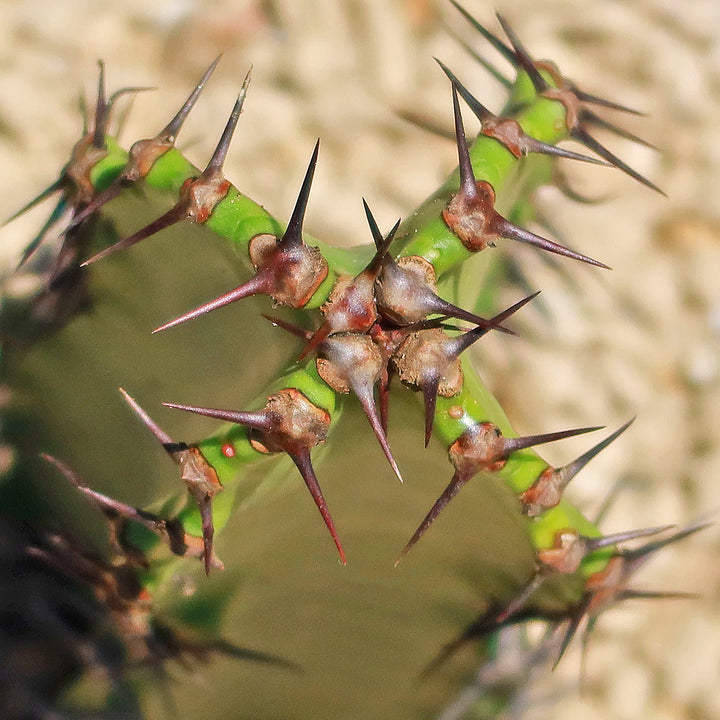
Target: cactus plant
[{"x": 61, "y": 398}]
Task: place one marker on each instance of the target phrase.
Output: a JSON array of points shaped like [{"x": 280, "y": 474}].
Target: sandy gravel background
[{"x": 644, "y": 339}]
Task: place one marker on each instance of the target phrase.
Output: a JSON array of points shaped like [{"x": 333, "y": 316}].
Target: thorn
[
  {"x": 160, "y": 435},
  {"x": 44, "y": 195},
  {"x": 589, "y": 116},
  {"x": 593, "y": 544},
  {"x": 258, "y": 420},
  {"x": 506, "y": 229},
  {"x": 367, "y": 401},
  {"x": 101, "y": 110},
  {"x": 504, "y": 81},
  {"x": 569, "y": 471},
  {"x": 581, "y": 135},
  {"x": 595, "y": 100},
  {"x": 55, "y": 216},
  {"x": 171, "y": 217},
  {"x": 467, "y": 176},
  {"x": 208, "y": 531},
  {"x": 457, "y": 482},
  {"x": 511, "y": 445},
  {"x": 170, "y": 131},
  {"x": 214, "y": 167},
  {"x": 260, "y": 284},
  {"x": 430, "y": 392},
  {"x": 495, "y": 41},
  {"x": 573, "y": 625},
  {"x": 293, "y": 232},
  {"x": 523, "y": 58},
  {"x": 108, "y": 194},
  {"x": 301, "y": 458}
]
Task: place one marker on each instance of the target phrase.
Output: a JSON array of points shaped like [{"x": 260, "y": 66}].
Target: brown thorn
[
  {"x": 171, "y": 217},
  {"x": 260, "y": 284},
  {"x": 365, "y": 395},
  {"x": 495, "y": 41},
  {"x": 588, "y": 116},
  {"x": 284, "y": 325},
  {"x": 511, "y": 445},
  {"x": 44, "y": 195},
  {"x": 593, "y": 544},
  {"x": 430, "y": 392},
  {"x": 581, "y": 135},
  {"x": 457, "y": 482},
  {"x": 504, "y": 81},
  {"x": 479, "y": 110},
  {"x": 60, "y": 210},
  {"x": 533, "y": 145},
  {"x": 522, "y": 56},
  {"x": 170, "y": 131},
  {"x": 467, "y": 176},
  {"x": 208, "y": 530},
  {"x": 506, "y": 229},
  {"x": 316, "y": 340},
  {"x": 257, "y": 420},
  {"x": 110, "y": 192},
  {"x": 293, "y": 232},
  {"x": 101, "y": 110},
  {"x": 518, "y": 602},
  {"x": 573, "y": 625},
  {"x": 384, "y": 397},
  {"x": 301, "y": 458},
  {"x": 595, "y": 100},
  {"x": 569, "y": 471},
  {"x": 214, "y": 167},
  {"x": 160, "y": 435}
]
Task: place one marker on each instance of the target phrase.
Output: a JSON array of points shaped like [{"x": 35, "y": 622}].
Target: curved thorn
[
  {"x": 367, "y": 402},
  {"x": 172, "y": 216},
  {"x": 301, "y": 458},
  {"x": 293, "y": 232},
  {"x": 162, "y": 437},
  {"x": 581, "y": 135},
  {"x": 257, "y": 420},
  {"x": 508, "y": 230},
  {"x": 569, "y": 471},
  {"x": 457, "y": 482},
  {"x": 214, "y": 167},
  {"x": 170, "y": 131},
  {"x": 430, "y": 392},
  {"x": 467, "y": 176},
  {"x": 259, "y": 284},
  {"x": 495, "y": 41},
  {"x": 519, "y": 443},
  {"x": 44, "y": 195},
  {"x": 523, "y": 56}
]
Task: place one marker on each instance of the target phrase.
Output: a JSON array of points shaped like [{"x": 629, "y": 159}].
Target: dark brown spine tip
[
  {"x": 44, "y": 195},
  {"x": 430, "y": 393},
  {"x": 170, "y": 131},
  {"x": 101, "y": 110},
  {"x": 214, "y": 167},
  {"x": 603, "y": 102},
  {"x": 109, "y": 193},
  {"x": 478, "y": 109},
  {"x": 537, "y": 146},
  {"x": 457, "y": 482},
  {"x": 293, "y": 232},
  {"x": 171, "y": 217}
]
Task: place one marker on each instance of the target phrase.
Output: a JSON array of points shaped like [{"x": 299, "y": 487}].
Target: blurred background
[{"x": 643, "y": 340}]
